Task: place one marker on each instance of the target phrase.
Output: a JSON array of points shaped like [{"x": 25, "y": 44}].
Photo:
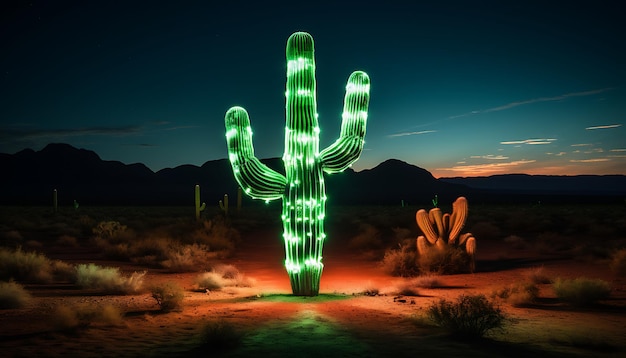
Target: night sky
[{"x": 460, "y": 88}]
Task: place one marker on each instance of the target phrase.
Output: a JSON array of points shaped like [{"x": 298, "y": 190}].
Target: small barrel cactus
[{"x": 443, "y": 230}]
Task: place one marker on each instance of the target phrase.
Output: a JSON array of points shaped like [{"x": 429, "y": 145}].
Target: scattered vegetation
[
  {"x": 222, "y": 276},
  {"x": 407, "y": 289},
  {"x": 108, "y": 279},
  {"x": 470, "y": 316},
  {"x": 169, "y": 296},
  {"x": 401, "y": 261},
  {"x": 66, "y": 318},
  {"x": 13, "y": 295},
  {"x": 538, "y": 276},
  {"x": 518, "y": 294},
  {"x": 31, "y": 266},
  {"x": 581, "y": 291},
  {"x": 448, "y": 260}
]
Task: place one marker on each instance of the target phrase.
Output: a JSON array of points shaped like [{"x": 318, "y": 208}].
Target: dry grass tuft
[
  {"x": 108, "y": 279},
  {"x": 13, "y": 295},
  {"x": 169, "y": 296},
  {"x": 581, "y": 291},
  {"x": 66, "y": 318}
]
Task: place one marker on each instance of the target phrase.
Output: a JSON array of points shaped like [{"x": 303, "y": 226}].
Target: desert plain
[{"x": 362, "y": 310}]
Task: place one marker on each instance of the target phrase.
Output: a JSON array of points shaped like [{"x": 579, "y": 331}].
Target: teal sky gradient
[{"x": 460, "y": 88}]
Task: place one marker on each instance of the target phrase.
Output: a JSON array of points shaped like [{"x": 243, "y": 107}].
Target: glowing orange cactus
[{"x": 441, "y": 230}]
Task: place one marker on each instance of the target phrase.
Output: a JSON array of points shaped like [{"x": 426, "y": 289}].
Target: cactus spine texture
[
  {"x": 441, "y": 230},
  {"x": 199, "y": 207},
  {"x": 302, "y": 187}
]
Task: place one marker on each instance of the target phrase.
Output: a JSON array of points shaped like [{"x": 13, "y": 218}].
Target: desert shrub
[
  {"x": 538, "y": 276},
  {"x": 66, "y": 318},
  {"x": 448, "y": 260},
  {"x": 518, "y": 294},
  {"x": 188, "y": 258},
  {"x": 220, "y": 335},
  {"x": 222, "y": 276},
  {"x": 108, "y": 279},
  {"x": 217, "y": 235},
  {"x": 407, "y": 289},
  {"x": 209, "y": 281},
  {"x": 401, "y": 261},
  {"x": 618, "y": 262},
  {"x": 581, "y": 291},
  {"x": 169, "y": 296},
  {"x": 25, "y": 266},
  {"x": 469, "y": 316},
  {"x": 13, "y": 295},
  {"x": 113, "y": 232}
]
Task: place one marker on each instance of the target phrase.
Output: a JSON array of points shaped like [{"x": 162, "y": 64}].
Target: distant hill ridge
[{"x": 29, "y": 177}]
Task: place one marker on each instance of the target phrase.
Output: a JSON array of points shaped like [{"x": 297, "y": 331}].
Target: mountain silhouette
[{"x": 29, "y": 178}]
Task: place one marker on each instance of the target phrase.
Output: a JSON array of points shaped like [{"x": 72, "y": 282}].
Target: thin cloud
[
  {"x": 582, "y": 145},
  {"x": 618, "y": 150},
  {"x": 590, "y": 160},
  {"x": 409, "y": 133},
  {"x": 492, "y": 157},
  {"x": 606, "y": 126},
  {"x": 487, "y": 168},
  {"x": 531, "y": 101},
  {"x": 180, "y": 127},
  {"x": 533, "y": 141}
]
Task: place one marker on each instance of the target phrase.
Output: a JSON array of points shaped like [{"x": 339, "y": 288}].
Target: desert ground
[{"x": 362, "y": 310}]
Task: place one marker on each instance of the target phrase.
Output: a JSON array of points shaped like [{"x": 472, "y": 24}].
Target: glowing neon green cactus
[
  {"x": 302, "y": 187},
  {"x": 199, "y": 207}
]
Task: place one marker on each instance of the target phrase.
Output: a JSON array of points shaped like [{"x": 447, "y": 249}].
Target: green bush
[
  {"x": 13, "y": 295},
  {"x": 169, "y": 296},
  {"x": 470, "y": 316},
  {"x": 108, "y": 279},
  {"x": 581, "y": 291}
]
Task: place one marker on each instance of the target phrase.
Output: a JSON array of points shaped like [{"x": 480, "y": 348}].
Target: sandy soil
[{"x": 341, "y": 322}]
